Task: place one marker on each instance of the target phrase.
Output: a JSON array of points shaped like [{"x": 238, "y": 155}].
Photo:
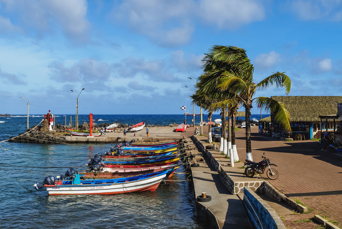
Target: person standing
[
  {"x": 147, "y": 132},
  {"x": 125, "y": 132},
  {"x": 325, "y": 140}
]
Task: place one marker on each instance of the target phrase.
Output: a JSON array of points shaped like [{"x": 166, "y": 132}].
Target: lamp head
[
  {"x": 72, "y": 90},
  {"x": 83, "y": 89}
]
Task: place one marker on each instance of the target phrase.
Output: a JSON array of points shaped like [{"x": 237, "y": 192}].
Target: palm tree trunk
[
  {"x": 234, "y": 150},
  {"x": 224, "y": 127},
  {"x": 249, "y": 156},
  {"x": 223, "y": 133},
  {"x": 229, "y": 135}
]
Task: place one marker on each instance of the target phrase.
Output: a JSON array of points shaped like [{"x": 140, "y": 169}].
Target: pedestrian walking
[
  {"x": 125, "y": 132},
  {"x": 134, "y": 133},
  {"x": 147, "y": 132},
  {"x": 326, "y": 140}
]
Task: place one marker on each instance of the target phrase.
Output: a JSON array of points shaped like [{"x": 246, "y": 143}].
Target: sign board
[{"x": 201, "y": 123}]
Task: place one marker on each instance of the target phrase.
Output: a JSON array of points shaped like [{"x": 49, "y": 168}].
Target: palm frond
[
  {"x": 278, "y": 109},
  {"x": 278, "y": 78}
]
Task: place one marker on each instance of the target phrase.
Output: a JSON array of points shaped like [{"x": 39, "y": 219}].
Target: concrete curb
[{"x": 319, "y": 219}]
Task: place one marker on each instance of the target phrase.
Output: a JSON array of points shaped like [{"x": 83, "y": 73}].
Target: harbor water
[{"x": 23, "y": 164}]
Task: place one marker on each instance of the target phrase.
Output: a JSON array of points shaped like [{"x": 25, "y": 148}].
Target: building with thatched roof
[{"x": 306, "y": 113}]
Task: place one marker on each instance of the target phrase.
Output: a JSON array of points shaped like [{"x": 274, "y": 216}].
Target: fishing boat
[
  {"x": 139, "y": 160},
  {"x": 147, "y": 182},
  {"x": 137, "y": 155},
  {"x": 111, "y": 127},
  {"x": 154, "y": 144},
  {"x": 181, "y": 128},
  {"x": 147, "y": 148},
  {"x": 137, "y": 127},
  {"x": 143, "y": 165},
  {"x": 74, "y": 132},
  {"x": 117, "y": 173}
]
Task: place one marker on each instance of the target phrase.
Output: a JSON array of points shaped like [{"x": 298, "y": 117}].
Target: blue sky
[{"x": 135, "y": 56}]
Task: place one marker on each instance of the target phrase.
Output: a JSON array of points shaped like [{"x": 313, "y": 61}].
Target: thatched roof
[
  {"x": 240, "y": 114},
  {"x": 267, "y": 119},
  {"x": 309, "y": 108}
]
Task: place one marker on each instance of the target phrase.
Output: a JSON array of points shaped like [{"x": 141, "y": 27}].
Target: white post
[
  {"x": 236, "y": 155},
  {"x": 221, "y": 145},
  {"x": 229, "y": 149},
  {"x": 210, "y": 139},
  {"x": 225, "y": 148}
]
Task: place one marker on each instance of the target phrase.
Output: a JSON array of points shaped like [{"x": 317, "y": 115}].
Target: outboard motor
[
  {"x": 70, "y": 172},
  {"x": 38, "y": 186},
  {"x": 119, "y": 152},
  {"x": 49, "y": 180},
  {"x": 96, "y": 167},
  {"x": 97, "y": 158}
]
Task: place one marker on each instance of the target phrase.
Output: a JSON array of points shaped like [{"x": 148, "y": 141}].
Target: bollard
[{"x": 214, "y": 146}]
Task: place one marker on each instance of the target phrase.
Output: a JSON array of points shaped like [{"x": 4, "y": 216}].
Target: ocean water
[{"x": 23, "y": 164}]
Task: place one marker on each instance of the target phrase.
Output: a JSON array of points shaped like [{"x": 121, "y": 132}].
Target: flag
[{"x": 183, "y": 107}]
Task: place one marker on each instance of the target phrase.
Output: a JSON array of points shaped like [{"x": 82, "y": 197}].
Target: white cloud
[
  {"x": 325, "y": 65},
  {"x": 154, "y": 70},
  {"x": 231, "y": 14},
  {"x": 11, "y": 78},
  {"x": 171, "y": 23},
  {"x": 46, "y": 15},
  {"x": 88, "y": 72},
  {"x": 150, "y": 18},
  {"x": 267, "y": 60},
  {"x": 317, "y": 9},
  {"x": 7, "y": 27},
  {"x": 179, "y": 61}
]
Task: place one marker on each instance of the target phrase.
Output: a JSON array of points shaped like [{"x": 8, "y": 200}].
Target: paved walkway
[{"x": 306, "y": 173}]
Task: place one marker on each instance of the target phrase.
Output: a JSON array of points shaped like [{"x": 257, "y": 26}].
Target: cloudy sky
[{"x": 135, "y": 56}]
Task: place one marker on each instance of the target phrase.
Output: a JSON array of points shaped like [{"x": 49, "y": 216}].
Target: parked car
[{"x": 216, "y": 133}]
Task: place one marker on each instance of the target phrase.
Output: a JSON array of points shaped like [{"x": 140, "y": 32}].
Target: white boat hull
[
  {"x": 74, "y": 133},
  {"x": 149, "y": 184},
  {"x": 135, "y": 129}
]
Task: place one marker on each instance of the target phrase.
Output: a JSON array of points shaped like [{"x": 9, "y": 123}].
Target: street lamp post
[
  {"x": 201, "y": 127},
  {"x": 28, "y": 108},
  {"x": 76, "y": 121}
]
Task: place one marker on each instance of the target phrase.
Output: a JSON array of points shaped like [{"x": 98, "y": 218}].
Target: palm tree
[
  {"x": 242, "y": 84},
  {"x": 221, "y": 61}
]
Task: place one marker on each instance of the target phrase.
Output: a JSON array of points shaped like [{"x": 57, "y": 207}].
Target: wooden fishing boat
[
  {"x": 141, "y": 155},
  {"x": 148, "y": 182},
  {"x": 127, "y": 172},
  {"x": 129, "y": 169},
  {"x": 137, "y": 127},
  {"x": 136, "y": 161},
  {"x": 167, "y": 162},
  {"x": 74, "y": 132},
  {"x": 181, "y": 128},
  {"x": 151, "y": 144},
  {"x": 147, "y": 148},
  {"x": 132, "y": 151}
]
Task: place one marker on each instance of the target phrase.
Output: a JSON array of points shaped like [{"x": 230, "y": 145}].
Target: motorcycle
[{"x": 261, "y": 167}]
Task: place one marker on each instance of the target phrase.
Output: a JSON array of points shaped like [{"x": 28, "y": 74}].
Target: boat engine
[
  {"x": 38, "y": 186},
  {"x": 70, "y": 172},
  {"x": 49, "y": 180}
]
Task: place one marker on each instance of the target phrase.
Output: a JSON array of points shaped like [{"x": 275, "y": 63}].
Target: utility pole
[
  {"x": 28, "y": 108},
  {"x": 193, "y": 114}
]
